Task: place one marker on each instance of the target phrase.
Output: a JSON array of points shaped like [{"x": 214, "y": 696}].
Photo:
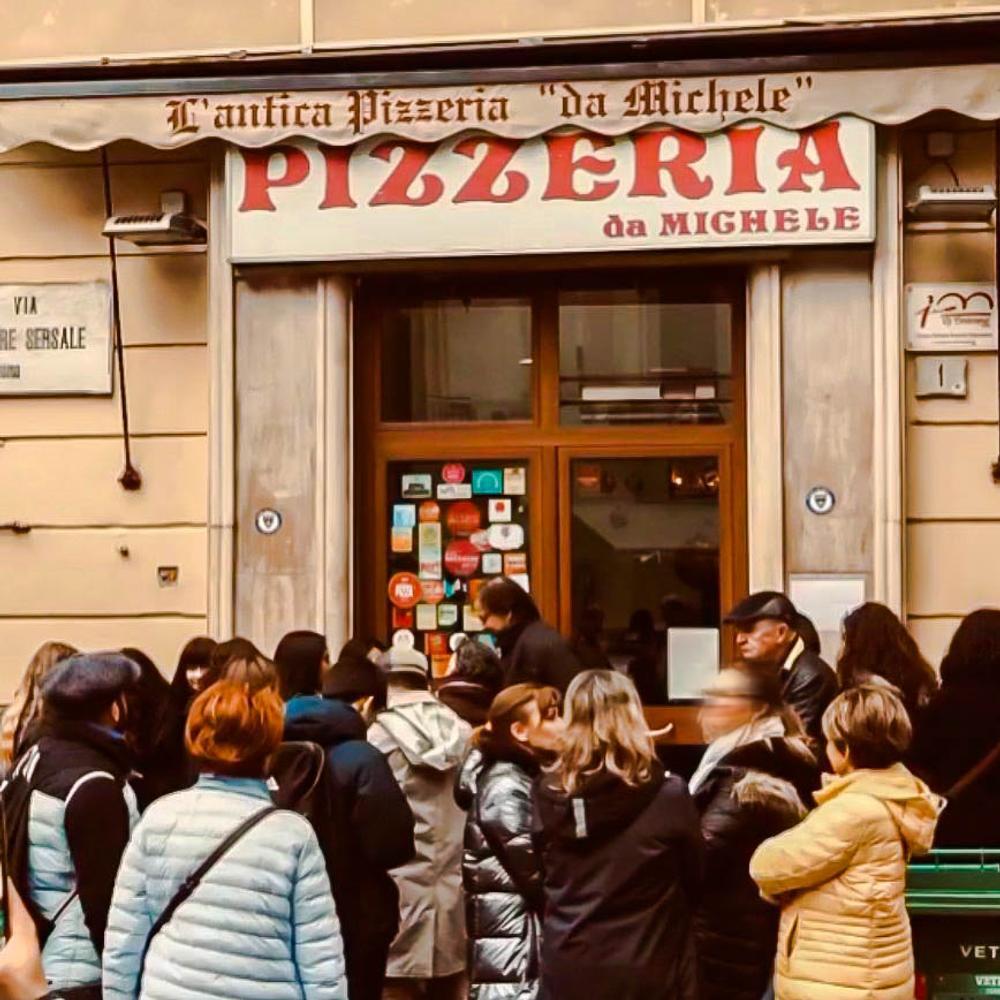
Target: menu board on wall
[{"x": 452, "y": 526}]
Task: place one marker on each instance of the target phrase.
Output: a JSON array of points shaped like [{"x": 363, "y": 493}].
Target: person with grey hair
[
  {"x": 425, "y": 743},
  {"x": 70, "y": 812}
]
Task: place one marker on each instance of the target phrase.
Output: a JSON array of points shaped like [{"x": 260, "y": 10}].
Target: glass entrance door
[{"x": 581, "y": 433}]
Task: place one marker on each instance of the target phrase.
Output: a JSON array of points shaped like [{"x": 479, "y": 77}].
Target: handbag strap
[
  {"x": 193, "y": 880},
  {"x": 974, "y": 773}
]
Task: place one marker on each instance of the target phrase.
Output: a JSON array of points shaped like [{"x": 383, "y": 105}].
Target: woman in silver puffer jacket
[{"x": 500, "y": 870}]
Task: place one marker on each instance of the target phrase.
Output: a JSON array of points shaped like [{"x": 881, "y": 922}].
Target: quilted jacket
[
  {"x": 841, "y": 874},
  {"x": 262, "y": 924}
]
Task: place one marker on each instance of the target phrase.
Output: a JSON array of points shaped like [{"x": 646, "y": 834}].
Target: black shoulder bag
[{"x": 193, "y": 880}]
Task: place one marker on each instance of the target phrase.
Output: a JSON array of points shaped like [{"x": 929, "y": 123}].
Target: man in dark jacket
[
  {"x": 767, "y": 638},
  {"x": 372, "y": 826},
  {"x": 79, "y": 812}
]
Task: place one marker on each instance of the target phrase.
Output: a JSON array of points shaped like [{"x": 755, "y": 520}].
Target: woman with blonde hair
[
  {"x": 622, "y": 854},
  {"x": 23, "y": 712},
  {"x": 841, "y": 873},
  {"x": 220, "y": 894}
]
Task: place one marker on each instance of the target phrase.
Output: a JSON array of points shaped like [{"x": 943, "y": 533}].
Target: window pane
[
  {"x": 452, "y": 525},
  {"x": 450, "y": 359},
  {"x": 629, "y": 357},
  {"x": 645, "y": 562}
]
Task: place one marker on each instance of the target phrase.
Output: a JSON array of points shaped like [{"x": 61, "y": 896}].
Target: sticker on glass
[
  {"x": 433, "y": 591},
  {"x": 453, "y": 472},
  {"x": 402, "y": 539},
  {"x": 429, "y": 551},
  {"x": 463, "y": 518},
  {"x": 481, "y": 539},
  {"x": 521, "y": 579},
  {"x": 404, "y": 639},
  {"x": 447, "y": 615},
  {"x": 515, "y": 482},
  {"x": 471, "y": 622},
  {"x": 461, "y": 558},
  {"x": 506, "y": 536},
  {"x": 436, "y": 644},
  {"x": 514, "y": 563},
  {"x": 501, "y": 509},
  {"x": 492, "y": 563},
  {"x": 404, "y": 515},
  {"x": 402, "y": 618},
  {"x": 416, "y": 486},
  {"x": 429, "y": 511},
  {"x": 404, "y": 590},
  {"x": 487, "y": 482},
  {"x": 427, "y": 619},
  {"x": 454, "y": 491}
]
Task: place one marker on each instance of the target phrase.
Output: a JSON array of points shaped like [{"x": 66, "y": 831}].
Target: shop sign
[
  {"x": 55, "y": 339},
  {"x": 569, "y": 190},
  {"x": 951, "y": 316}
]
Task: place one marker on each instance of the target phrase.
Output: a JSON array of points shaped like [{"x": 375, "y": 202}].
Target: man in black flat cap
[{"x": 768, "y": 637}]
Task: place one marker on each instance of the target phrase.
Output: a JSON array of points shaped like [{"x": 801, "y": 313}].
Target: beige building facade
[{"x": 246, "y": 377}]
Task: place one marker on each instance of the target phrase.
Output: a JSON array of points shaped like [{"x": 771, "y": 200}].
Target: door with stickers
[{"x": 580, "y": 433}]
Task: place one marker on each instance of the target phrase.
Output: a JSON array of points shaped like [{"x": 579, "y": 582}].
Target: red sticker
[
  {"x": 463, "y": 518},
  {"x": 433, "y": 591},
  {"x": 436, "y": 644},
  {"x": 405, "y": 590},
  {"x": 429, "y": 511},
  {"x": 461, "y": 558},
  {"x": 453, "y": 472},
  {"x": 402, "y": 618}
]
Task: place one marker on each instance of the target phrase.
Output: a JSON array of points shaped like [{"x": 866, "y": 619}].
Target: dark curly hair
[
  {"x": 973, "y": 658},
  {"x": 877, "y": 644}
]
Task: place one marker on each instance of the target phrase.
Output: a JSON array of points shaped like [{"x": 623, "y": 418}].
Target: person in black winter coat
[
  {"x": 771, "y": 637},
  {"x": 956, "y": 734},
  {"x": 757, "y": 775},
  {"x": 372, "y": 826},
  {"x": 501, "y": 871},
  {"x": 622, "y": 854},
  {"x": 530, "y": 650}
]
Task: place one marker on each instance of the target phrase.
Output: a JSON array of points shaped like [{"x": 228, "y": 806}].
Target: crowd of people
[{"x": 322, "y": 828}]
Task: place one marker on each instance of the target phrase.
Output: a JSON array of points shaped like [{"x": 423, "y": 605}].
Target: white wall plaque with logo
[
  {"x": 568, "y": 190},
  {"x": 55, "y": 339},
  {"x": 951, "y": 316}
]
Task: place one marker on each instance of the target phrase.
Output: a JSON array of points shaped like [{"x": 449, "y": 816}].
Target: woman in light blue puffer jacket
[{"x": 262, "y": 924}]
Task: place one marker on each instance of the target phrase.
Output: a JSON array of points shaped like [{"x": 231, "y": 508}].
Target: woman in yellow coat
[{"x": 840, "y": 874}]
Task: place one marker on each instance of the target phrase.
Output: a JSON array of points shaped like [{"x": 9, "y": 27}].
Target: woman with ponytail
[{"x": 501, "y": 873}]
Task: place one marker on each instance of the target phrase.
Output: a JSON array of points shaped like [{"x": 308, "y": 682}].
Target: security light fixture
[
  {"x": 171, "y": 226},
  {"x": 953, "y": 204}
]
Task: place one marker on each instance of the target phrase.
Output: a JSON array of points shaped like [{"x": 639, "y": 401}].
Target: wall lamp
[{"x": 171, "y": 226}]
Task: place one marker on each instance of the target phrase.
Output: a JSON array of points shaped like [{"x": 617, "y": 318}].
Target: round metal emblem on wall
[
  {"x": 267, "y": 521},
  {"x": 821, "y": 500}
]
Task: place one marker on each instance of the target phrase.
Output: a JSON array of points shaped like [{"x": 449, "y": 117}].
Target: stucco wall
[
  {"x": 87, "y": 572},
  {"x": 952, "y": 504}
]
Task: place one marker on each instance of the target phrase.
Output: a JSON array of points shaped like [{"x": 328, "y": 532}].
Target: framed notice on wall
[
  {"x": 55, "y": 339},
  {"x": 951, "y": 316}
]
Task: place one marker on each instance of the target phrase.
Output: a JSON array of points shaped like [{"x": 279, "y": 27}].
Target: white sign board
[
  {"x": 569, "y": 190},
  {"x": 692, "y": 661},
  {"x": 55, "y": 339},
  {"x": 951, "y": 316},
  {"x": 826, "y": 599}
]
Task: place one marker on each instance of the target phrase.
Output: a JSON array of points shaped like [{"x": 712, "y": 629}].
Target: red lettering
[
  {"x": 674, "y": 223},
  {"x": 701, "y": 228},
  {"x": 754, "y": 221},
  {"x": 257, "y": 182},
  {"x": 723, "y": 222},
  {"x": 564, "y": 164},
  {"x": 846, "y": 217},
  {"x": 338, "y": 178},
  {"x": 815, "y": 222},
  {"x": 829, "y": 161},
  {"x": 743, "y": 177},
  {"x": 395, "y": 190},
  {"x": 650, "y": 164},
  {"x": 480, "y": 185},
  {"x": 786, "y": 220}
]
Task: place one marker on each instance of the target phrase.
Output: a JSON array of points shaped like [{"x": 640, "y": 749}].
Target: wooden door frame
[{"x": 543, "y": 439}]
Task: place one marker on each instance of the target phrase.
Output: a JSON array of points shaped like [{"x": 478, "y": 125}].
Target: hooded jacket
[
  {"x": 622, "y": 875},
  {"x": 372, "y": 823},
  {"x": 502, "y": 876},
  {"x": 425, "y": 742},
  {"x": 841, "y": 874},
  {"x": 756, "y": 791}
]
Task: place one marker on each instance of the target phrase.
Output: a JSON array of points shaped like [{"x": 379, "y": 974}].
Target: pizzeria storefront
[{"x": 637, "y": 342}]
